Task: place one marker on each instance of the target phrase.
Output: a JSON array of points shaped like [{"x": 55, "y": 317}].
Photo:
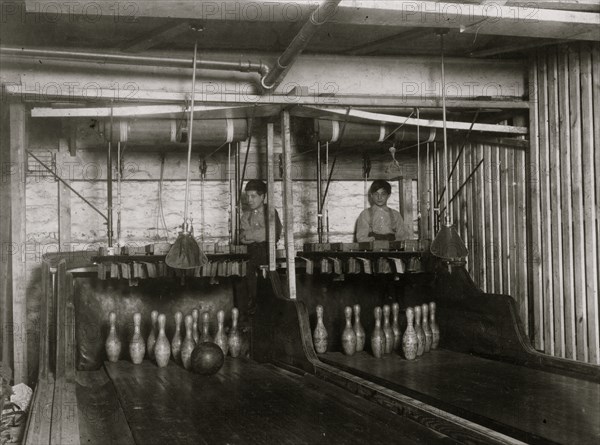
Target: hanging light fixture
[{"x": 447, "y": 244}]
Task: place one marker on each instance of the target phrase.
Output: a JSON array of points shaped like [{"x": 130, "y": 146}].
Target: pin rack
[
  {"x": 374, "y": 257},
  {"x": 143, "y": 262}
]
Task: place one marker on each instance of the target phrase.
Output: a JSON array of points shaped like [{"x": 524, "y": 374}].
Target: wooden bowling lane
[
  {"x": 530, "y": 405},
  {"x": 249, "y": 403},
  {"x": 101, "y": 420}
]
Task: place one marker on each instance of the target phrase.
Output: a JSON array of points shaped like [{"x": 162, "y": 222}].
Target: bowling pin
[
  {"x": 235, "y": 340},
  {"x": 426, "y": 328},
  {"x": 378, "y": 337},
  {"x": 359, "y": 330},
  {"x": 396, "y": 327},
  {"x": 152, "y": 337},
  {"x": 221, "y": 339},
  {"x": 113, "y": 344},
  {"x": 205, "y": 336},
  {"x": 387, "y": 330},
  {"x": 188, "y": 344},
  {"x": 435, "y": 329},
  {"x": 320, "y": 333},
  {"x": 196, "y": 325},
  {"x": 137, "y": 347},
  {"x": 419, "y": 331},
  {"x": 176, "y": 340},
  {"x": 410, "y": 342},
  {"x": 348, "y": 335},
  {"x": 162, "y": 348}
]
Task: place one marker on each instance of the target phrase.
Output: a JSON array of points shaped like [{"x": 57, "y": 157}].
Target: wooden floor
[
  {"x": 244, "y": 403},
  {"x": 533, "y": 406}
]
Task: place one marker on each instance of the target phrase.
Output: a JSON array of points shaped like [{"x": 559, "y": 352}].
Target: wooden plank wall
[
  {"x": 489, "y": 212},
  {"x": 564, "y": 165}
]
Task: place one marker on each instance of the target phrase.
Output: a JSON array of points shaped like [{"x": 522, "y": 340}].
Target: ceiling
[{"x": 376, "y": 28}]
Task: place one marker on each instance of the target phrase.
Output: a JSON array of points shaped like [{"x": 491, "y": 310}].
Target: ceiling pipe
[
  {"x": 318, "y": 17},
  {"x": 128, "y": 59}
]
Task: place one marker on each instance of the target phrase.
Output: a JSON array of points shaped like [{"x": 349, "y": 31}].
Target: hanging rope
[{"x": 185, "y": 252}]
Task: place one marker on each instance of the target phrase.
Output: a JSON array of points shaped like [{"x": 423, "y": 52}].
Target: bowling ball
[{"x": 207, "y": 358}]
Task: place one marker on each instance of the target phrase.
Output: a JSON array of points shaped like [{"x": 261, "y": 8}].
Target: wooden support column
[
  {"x": 406, "y": 204},
  {"x": 545, "y": 202},
  {"x": 271, "y": 195},
  {"x": 18, "y": 163},
  {"x": 64, "y": 200},
  {"x": 534, "y": 235},
  {"x": 5, "y": 287},
  {"x": 288, "y": 203}
]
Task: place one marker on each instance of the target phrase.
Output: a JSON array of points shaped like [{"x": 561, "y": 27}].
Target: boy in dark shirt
[{"x": 254, "y": 227}]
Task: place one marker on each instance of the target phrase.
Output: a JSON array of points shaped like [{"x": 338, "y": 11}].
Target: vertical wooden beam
[
  {"x": 481, "y": 240},
  {"x": 69, "y": 327},
  {"x": 464, "y": 202},
  {"x": 497, "y": 219},
  {"x": 18, "y": 159},
  {"x": 521, "y": 238},
  {"x": 556, "y": 215},
  {"x": 406, "y": 203},
  {"x": 505, "y": 188},
  {"x": 432, "y": 189},
  {"x": 45, "y": 311},
  {"x": 61, "y": 320},
  {"x": 288, "y": 203},
  {"x": 566, "y": 225},
  {"x": 534, "y": 237},
  {"x": 577, "y": 203},
  {"x": 470, "y": 204},
  {"x": 545, "y": 203},
  {"x": 64, "y": 200},
  {"x": 511, "y": 262},
  {"x": 423, "y": 187},
  {"x": 589, "y": 145},
  {"x": 271, "y": 194},
  {"x": 5, "y": 241},
  {"x": 488, "y": 218}
]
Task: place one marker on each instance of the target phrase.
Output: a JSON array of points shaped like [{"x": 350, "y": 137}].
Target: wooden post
[
  {"x": 288, "y": 204},
  {"x": 497, "y": 212},
  {"x": 534, "y": 235},
  {"x": 18, "y": 160},
  {"x": 271, "y": 195},
  {"x": 556, "y": 215},
  {"x": 505, "y": 190},
  {"x": 576, "y": 116},
  {"x": 469, "y": 199},
  {"x": 64, "y": 201},
  {"x": 482, "y": 260},
  {"x": 520, "y": 253},
  {"x": 488, "y": 217},
  {"x": 545, "y": 203},
  {"x": 406, "y": 204},
  {"x": 5, "y": 287}
]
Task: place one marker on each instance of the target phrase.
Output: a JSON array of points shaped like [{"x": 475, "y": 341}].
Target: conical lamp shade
[{"x": 448, "y": 244}]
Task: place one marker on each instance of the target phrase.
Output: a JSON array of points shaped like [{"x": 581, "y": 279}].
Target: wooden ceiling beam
[
  {"x": 522, "y": 19},
  {"x": 145, "y": 96},
  {"x": 494, "y": 51},
  {"x": 168, "y": 31},
  {"x": 371, "y": 47}
]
